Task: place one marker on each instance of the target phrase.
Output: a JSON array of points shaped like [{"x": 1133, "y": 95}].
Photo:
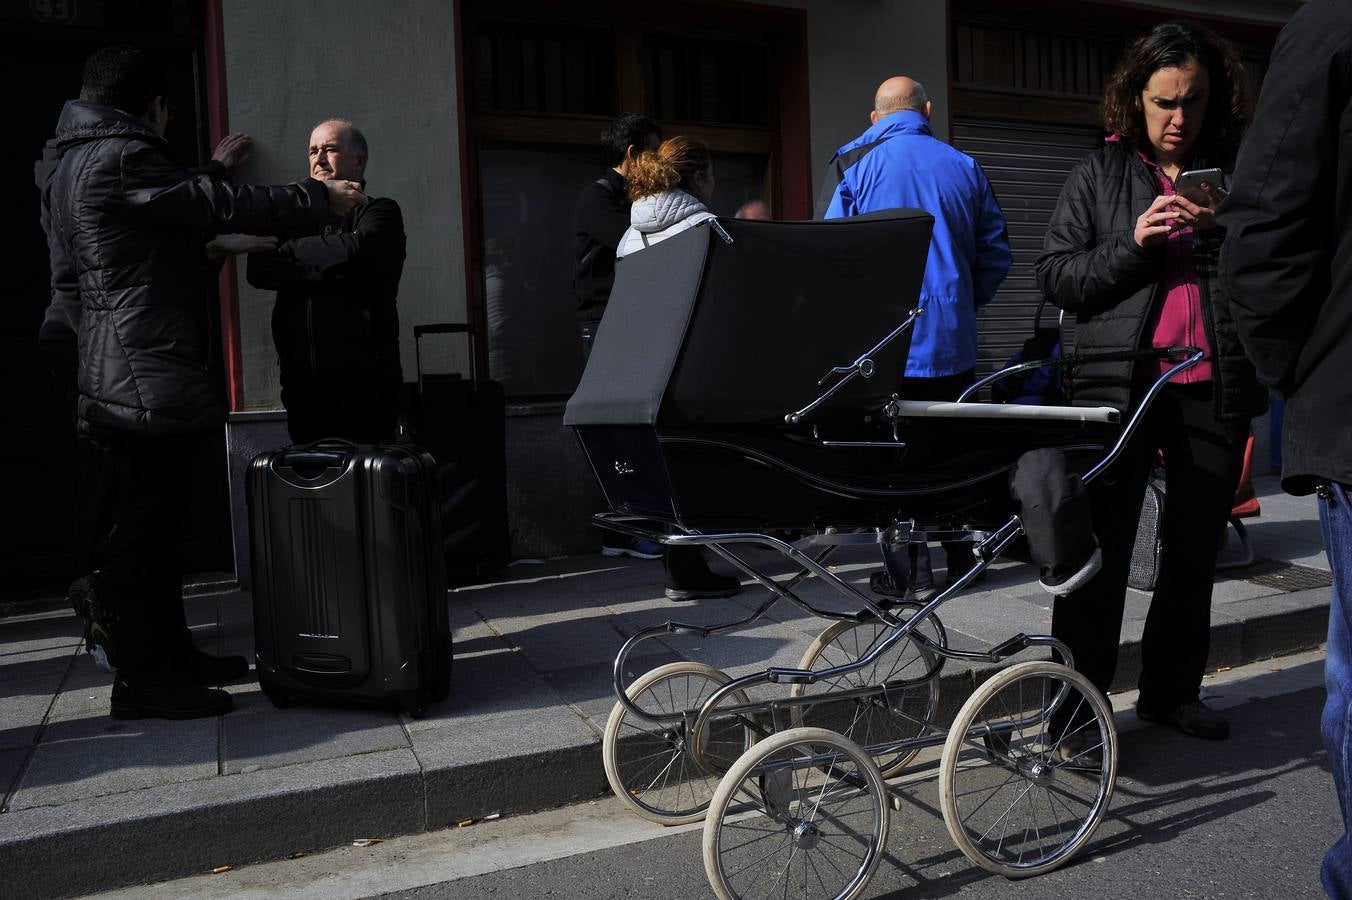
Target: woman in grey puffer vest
[{"x": 670, "y": 188}]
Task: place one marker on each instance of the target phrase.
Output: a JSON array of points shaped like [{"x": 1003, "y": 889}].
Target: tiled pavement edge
[{"x": 90, "y": 803}]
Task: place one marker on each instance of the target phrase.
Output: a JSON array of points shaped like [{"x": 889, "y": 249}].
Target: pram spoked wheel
[
  {"x": 802, "y": 813},
  {"x": 896, "y": 714},
  {"x": 649, "y": 764},
  {"x": 1023, "y": 785}
]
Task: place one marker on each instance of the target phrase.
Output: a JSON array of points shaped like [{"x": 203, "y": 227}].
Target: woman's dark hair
[
  {"x": 123, "y": 77},
  {"x": 628, "y": 129},
  {"x": 1174, "y": 45},
  {"x": 674, "y": 164}
]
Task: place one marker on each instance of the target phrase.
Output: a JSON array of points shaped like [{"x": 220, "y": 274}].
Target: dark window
[
  {"x": 711, "y": 82},
  {"x": 536, "y": 69},
  {"x": 545, "y": 81}
]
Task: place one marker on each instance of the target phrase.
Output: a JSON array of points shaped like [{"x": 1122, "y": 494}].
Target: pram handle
[
  {"x": 1194, "y": 357},
  {"x": 862, "y": 366},
  {"x": 1075, "y": 359}
]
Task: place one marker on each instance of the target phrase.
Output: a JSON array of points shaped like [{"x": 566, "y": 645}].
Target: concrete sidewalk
[{"x": 92, "y": 804}]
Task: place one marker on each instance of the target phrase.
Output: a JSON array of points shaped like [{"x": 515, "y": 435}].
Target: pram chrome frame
[{"x": 767, "y": 718}]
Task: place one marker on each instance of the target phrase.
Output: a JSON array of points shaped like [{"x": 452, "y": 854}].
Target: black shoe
[
  {"x": 882, "y": 584},
  {"x": 1081, "y": 750},
  {"x": 1194, "y": 718},
  {"x": 953, "y": 579},
  {"x": 706, "y": 586},
  {"x": 159, "y": 695},
  {"x": 202, "y": 668}
]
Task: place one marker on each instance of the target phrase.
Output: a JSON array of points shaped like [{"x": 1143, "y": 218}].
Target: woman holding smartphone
[{"x": 1133, "y": 260}]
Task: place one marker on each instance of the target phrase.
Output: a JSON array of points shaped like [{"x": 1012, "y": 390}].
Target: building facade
[{"x": 483, "y": 118}]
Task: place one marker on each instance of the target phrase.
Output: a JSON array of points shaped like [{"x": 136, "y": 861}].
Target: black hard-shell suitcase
[
  {"x": 349, "y": 586},
  {"x": 461, "y": 421}
]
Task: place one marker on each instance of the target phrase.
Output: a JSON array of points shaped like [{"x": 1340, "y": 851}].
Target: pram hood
[{"x": 700, "y": 330}]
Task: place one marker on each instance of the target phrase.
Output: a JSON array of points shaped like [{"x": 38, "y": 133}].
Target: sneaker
[
  {"x": 1194, "y": 718},
  {"x": 708, "y": 586},
  {"x": 638, "y": 548},
  {"x": 159, "y": 695},
  {"x": 83, "y": 596},
  {"x": 202, "y": 668}
]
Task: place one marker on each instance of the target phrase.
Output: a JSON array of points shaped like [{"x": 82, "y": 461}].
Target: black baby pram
[{"x": 741, "y": 393}]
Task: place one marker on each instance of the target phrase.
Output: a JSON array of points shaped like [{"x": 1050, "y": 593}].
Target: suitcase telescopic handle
[{"x": 443, "y": 328}]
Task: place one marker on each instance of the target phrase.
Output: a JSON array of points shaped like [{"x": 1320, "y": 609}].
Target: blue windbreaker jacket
[{"x": 897, "y": 163}]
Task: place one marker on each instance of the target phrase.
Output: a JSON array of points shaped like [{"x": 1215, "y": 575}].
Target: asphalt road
[{"x": 1248, "y": 817}]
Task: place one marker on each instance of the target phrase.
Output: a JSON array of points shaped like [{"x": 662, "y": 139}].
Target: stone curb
[{"x": 190, "y": 828}]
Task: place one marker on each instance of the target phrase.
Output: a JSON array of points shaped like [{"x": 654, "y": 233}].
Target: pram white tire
[
  {"x": 649, "y": 764},
  {"x": 804, "y": 806},
  {"x": 903, "y": 714},
  {"x": 1023, "y": 798}
]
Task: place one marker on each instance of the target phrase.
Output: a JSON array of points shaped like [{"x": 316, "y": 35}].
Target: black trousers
[
  {"x": 1202, "y": 461},
  {"x": 131, "y": 499},
  {"x": 362, "y": 413}
]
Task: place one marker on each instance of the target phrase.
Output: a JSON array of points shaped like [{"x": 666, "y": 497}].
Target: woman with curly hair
[
  {"x": 1135, "y": 263},
  {"x": 671, "y": 188}
]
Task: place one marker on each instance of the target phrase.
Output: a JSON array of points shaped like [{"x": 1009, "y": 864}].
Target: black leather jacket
[
  {"x": 335, "y": 318},
  {"x": 130, "y": 225},
  {"x": 1091, "y": 266}
]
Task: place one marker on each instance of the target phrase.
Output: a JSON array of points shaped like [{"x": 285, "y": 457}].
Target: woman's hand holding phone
[
  {"x": 1154, "y": 225},
  {"x": 1199, "y": 216}
]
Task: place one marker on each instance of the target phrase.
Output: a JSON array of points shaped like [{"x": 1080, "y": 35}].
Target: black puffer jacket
[
  {"x": 1092, "y": 267},
  {"x": 131, "y": 224}
]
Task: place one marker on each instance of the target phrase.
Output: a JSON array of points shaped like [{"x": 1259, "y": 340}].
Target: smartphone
[{"x": 1189, "y": 184}]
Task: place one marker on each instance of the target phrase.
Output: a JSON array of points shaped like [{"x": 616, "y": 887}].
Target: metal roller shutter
[{"x": 1027, "y": 164}]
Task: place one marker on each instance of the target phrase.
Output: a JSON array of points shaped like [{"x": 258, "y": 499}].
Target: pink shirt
[{"x": 1177, "y": 321}]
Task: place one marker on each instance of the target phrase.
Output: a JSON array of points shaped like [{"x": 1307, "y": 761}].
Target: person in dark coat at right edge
[
  {"x": 130, "y": 229},
  {"x": 334, "y": 324},
  {"x": 1287, "y": 270}
]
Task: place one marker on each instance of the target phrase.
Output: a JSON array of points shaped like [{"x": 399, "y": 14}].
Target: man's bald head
[{"x": 900, "y": 93}]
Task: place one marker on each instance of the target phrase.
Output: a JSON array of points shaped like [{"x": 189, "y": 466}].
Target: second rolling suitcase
[
  {"x": 461, "y": 421},
  {"x": 349, "y": 581}
]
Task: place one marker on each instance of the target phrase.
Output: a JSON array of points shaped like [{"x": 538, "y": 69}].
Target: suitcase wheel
[{"x": 411, "y": 703}]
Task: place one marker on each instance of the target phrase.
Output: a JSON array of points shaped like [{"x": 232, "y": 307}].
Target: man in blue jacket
[{"x": 898, "y": 162}]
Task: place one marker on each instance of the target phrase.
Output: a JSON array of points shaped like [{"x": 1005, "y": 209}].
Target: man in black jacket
[
  {"x": 600, "y": 219},
  {"x": 335, "y": 324},
  {"x": 130, "y": 228},
  {"x": 1287, "y": 268}
]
